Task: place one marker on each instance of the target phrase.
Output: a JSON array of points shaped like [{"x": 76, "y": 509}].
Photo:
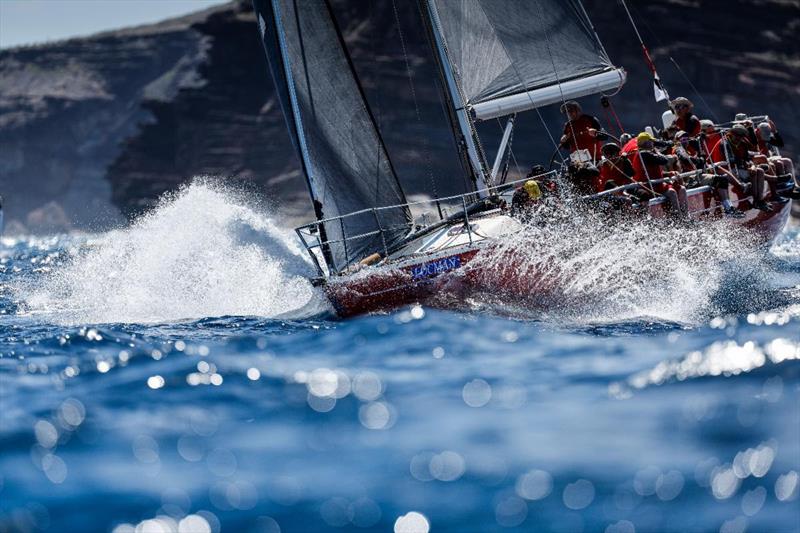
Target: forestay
[
  {"x": 512, "y": 55},
  {"x": 343, "y": 156}
]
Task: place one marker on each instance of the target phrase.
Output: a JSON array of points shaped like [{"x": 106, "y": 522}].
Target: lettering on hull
[{"x": 434, "y": 268}]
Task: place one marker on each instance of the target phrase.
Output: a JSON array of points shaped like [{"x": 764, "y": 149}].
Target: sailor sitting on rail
[
  {"x": 758, "y": 158},
  {"x": 582, "y": 131},
  {"x": 614, "y": 168},
  {"x": 691, "y": 156},
  {"x": 684, "y": 119},
  {"x": 740, "y": 152},
  {"x": 648, "y": 167},
  {"x": 769, "y": 141},
  {"x": 525, "y": 197}
]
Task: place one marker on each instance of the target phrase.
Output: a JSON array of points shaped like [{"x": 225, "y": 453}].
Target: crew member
[
  {"x": 582, "y": 131},
  {"x": 615, "y": 169},
  {"x": 685, "y": 119},
  {"x": 711, "y": 142},
  {"x": 740, "y": 152},
  {"x": 648, "y": 167},
  {"x": 769, "y": 140},
  {"x": 525, "y": 197}
]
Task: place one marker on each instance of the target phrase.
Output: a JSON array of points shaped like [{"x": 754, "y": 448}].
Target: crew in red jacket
[
  {"x": 686, "y": 120},
  {"x": 648, "y": 167},
  {"x": 582, "y": 131},
  {"x": 615, "y": 169}
]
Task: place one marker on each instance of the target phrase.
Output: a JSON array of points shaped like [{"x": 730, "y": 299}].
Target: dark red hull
[{"x": 445, "y": 279}]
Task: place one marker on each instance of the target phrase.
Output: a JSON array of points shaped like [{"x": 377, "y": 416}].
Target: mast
[{"x": 460, "y": 120}]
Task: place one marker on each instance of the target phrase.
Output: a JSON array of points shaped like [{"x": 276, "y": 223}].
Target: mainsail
[
  {"x": 514, "y": 55},
  {"x": 344, "y": 159}
]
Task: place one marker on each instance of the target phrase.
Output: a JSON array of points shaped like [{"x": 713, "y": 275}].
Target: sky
[{"x": 36, "y": 21}]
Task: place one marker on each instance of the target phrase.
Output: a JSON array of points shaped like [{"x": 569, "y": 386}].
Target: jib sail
[
  {"x": 344, "y": 159},
  {"x": 514, "y": 55}
]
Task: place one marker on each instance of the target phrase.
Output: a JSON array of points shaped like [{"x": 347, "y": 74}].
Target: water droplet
[{"x": 412, "y": 522}]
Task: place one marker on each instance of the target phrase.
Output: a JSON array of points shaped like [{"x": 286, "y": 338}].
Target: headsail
[
  {"x": 343, "y": 155},
  {"x": 513, "y": 55}
]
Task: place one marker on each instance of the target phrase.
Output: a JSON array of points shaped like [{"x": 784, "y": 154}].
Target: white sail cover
[
  {"x": 344, "y": 158},
  {"x": 505, "y": 48}
]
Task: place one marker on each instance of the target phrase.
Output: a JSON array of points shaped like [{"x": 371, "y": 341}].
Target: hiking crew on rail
[{"x": 740, "y": 156}]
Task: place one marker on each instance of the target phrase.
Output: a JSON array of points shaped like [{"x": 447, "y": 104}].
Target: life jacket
[
  {"x": 611, "y": 170},
  {"x": 642, "y": 171},
  {"x": 630, "y": 146},
  {"x": 690, "y": 125},
  {"x": 582, "y": 140},
  {"x": 713, "y": 147},
  {"x": 653, "y": 172}
]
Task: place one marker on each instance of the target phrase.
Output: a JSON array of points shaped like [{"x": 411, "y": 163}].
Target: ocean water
[{"x": 181, "y": 375}]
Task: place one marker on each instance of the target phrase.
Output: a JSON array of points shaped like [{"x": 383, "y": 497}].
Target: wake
[{"x": 201, "y": 253}]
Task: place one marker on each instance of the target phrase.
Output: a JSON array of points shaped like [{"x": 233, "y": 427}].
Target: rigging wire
[
  {"x": 700, "y": 96},
  {"x": 558, "y": 81},
  {"x": 649, "y": 60},
  {"x": 609, "y": 107},
  {"x": 674, "y": 62},
  {"x": 426, "y": 141}
]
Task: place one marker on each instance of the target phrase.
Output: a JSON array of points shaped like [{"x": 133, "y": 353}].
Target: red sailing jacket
[
  {"x": 613, "y": 170},
  {"x": 653, "y": 169},
  {"x": 582, "y": 139},
  {"x": 714, "y": 148},
  {"x": 630, "y": 146},
  {"x": 690, "y": 125}
]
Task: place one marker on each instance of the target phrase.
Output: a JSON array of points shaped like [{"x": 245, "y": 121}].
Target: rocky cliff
[{"x": 93, "y": 130}]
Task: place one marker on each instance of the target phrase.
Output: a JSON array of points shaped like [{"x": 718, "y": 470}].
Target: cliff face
[
  {"x": 66, "y": 107},
  {"x": 97, "y": 128}
]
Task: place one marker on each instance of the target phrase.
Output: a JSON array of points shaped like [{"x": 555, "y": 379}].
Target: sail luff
[{"x": 343, "y": 155}]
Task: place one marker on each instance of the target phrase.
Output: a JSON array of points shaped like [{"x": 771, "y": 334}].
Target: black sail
[
  {"x": 344, "y": 159},
  {"x": 501, "y": 48}
]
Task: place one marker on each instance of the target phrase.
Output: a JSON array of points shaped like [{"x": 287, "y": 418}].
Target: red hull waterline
[{"x": 438, "y": 277}]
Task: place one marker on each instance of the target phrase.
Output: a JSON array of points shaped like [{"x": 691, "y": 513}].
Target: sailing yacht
[{"x": 495, "y": 59}]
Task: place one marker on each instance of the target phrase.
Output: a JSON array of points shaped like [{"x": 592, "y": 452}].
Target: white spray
[
  {"x": 583, "y": 267},
  {"x": 201, "y": 253}
]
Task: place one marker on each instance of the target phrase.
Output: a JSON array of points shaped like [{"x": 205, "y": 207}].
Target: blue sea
[{"x": 182, "y": 375}]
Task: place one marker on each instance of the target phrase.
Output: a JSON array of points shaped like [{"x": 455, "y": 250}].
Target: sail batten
[
  {"x": 344, "y": 159},
  {"x": 503, "y": 48}
]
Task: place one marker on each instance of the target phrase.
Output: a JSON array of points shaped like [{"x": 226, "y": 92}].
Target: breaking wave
[
  {"x": 584, "y": 267},
  {"x": 201, "y": 253}
]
